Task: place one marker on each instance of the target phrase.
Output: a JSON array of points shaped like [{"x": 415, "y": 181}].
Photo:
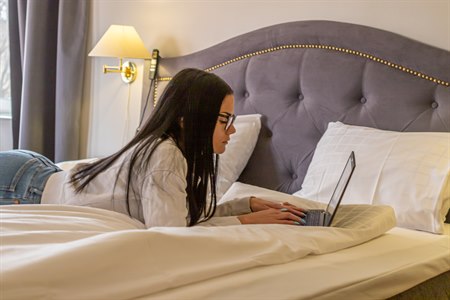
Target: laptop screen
[{"x": 340, "y": 187}]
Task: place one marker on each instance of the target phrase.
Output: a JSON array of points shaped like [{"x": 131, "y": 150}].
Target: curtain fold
[{"x": 48, "y": 40}]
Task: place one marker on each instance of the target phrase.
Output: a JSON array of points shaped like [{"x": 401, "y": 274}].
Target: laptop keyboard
[{"x": 313, "y": 217}]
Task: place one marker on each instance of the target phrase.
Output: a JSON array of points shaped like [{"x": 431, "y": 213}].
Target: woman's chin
[{"x": 220, "y": 150}]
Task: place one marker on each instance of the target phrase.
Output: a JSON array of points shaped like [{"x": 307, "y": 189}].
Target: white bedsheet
[
  {"x": 66, "y": 252},
  {"x": 378, "y": 269}
]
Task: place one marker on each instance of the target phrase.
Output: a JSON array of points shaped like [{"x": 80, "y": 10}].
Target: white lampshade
[{"x": 120, "y": 41}]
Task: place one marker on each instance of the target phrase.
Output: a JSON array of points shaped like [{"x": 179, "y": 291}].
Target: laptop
[{"x": 320, "y": 217}]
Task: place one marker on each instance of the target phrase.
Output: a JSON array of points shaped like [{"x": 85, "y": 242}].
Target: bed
[{"x": 306, "y": 92}]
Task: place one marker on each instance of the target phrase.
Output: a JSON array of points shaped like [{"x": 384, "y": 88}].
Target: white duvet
[{"x": 66, "y": 252}]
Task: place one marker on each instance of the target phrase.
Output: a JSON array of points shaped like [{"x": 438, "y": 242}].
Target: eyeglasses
[{"x": 229, "y": 120}]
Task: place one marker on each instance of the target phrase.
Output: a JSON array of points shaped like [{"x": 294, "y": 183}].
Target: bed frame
[{"x": 302, "y": 75}]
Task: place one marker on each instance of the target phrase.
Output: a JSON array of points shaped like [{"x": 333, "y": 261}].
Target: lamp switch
[{"x": 154, "y": 64}]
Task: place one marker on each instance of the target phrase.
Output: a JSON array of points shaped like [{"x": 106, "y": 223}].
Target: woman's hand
[
  {"x": 268, "y": 212},
  {"x": 271, "y": 216},
  {"x": 258, "y": 204}
]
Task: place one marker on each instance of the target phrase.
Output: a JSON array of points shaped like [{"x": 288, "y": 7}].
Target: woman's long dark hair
[{"x": 187, "y": 112}]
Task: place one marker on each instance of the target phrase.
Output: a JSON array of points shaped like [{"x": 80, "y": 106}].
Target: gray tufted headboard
[{"x": 302, "y": 75}]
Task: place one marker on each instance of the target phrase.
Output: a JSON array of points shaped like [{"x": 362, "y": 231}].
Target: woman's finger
[
  {"x": 289, "y": 205},
  {"x": 290, "y": 222},
  {"x": 294, "y": 211},
  {"x": 290, "y": 216}
]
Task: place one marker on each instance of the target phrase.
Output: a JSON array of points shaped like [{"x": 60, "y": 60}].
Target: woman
[{"x": 163, "y": 175}]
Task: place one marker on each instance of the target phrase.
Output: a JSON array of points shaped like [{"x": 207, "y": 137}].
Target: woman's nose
[{"x": 231, "y": 130}]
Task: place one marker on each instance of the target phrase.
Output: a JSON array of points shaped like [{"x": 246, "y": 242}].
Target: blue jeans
[{"x": 23, "y": 175}]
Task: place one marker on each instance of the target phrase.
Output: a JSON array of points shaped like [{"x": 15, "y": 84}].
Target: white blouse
[{"x": 161, "y": 191}]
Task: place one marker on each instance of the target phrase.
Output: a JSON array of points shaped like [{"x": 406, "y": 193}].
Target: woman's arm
[
  {"x": 163, "y": 187},
  {"x": 252, "y": 210},
  {"x": 164, "y": 199},
  {"x": 233, "y": 207}
]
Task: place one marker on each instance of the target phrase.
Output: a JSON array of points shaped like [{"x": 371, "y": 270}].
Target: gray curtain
[{"x": 48, "y": 40}]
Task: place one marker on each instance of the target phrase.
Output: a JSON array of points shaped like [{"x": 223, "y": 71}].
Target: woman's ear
[{"x": 181, "y": 123}]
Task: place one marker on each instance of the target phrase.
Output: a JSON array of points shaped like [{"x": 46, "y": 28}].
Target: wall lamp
[{"x": 121, "y": 41}]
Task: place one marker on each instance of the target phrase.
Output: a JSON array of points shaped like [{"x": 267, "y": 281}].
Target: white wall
[
  {"x": 185, "y": 26},
  {"x": 5, "y": 133}
]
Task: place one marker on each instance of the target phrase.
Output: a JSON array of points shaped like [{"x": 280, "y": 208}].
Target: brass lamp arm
[{"x": 128, "y": 70}]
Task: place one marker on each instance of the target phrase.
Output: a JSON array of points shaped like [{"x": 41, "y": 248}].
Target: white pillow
[
  {"x": 233, "y": 161},
  {"x": 409, "y": 171},
  {"x": 240, "y": 190}
]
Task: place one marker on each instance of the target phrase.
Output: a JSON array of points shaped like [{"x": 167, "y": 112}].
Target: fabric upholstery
[
  {"x": 298, "y": 91},
  {"x": 48, "y": 40}
]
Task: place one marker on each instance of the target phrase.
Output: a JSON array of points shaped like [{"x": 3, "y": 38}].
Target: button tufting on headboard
[{"x": 303, "y": 75}]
